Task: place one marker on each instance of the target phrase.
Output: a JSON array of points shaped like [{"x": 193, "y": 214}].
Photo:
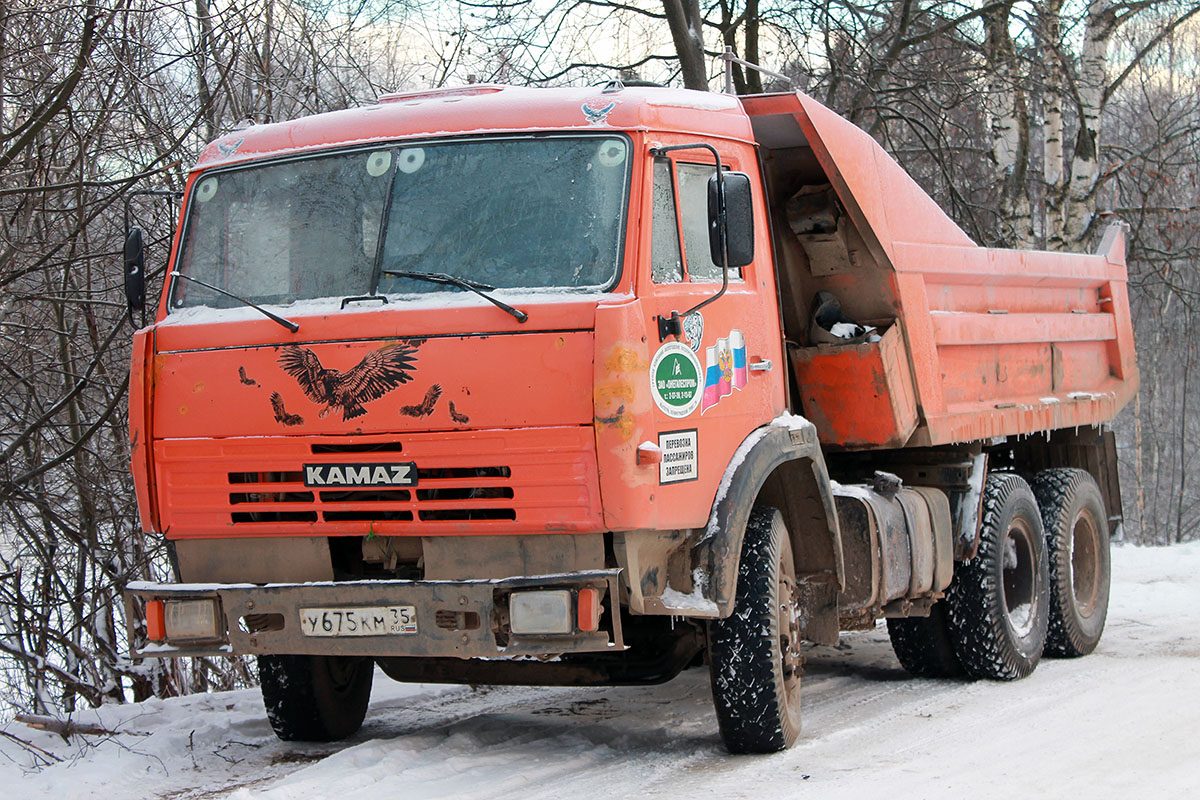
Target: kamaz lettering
[{"x": 360, "y": 474}]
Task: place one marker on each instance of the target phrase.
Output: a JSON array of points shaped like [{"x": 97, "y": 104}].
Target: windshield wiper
[
  {"x": 480, "y": 289},
  {"x": 287, "y": 323}
]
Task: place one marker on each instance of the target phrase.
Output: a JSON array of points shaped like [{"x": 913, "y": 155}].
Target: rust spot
[
  {"x": 616, "y": 395},
  {"x": 560, "y": 343},
  {"x": 160, "y": 364},
  {"x": 461, "y": 419},
  {"x": 425, "y": 407},
  {"x": 622, "y": 422},
  {"x": 183, "y": 410},
  {"x": 281, "y": 414},
  {"x": 621, "y": 391},
  {"x": 245, "y": 379},
  {"x": 624, "y": 359},
  {"x": 198, "y": 388}
]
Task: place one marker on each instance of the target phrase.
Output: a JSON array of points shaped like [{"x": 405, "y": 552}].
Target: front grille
[
  {"x": 540, "y": 479},
  {"x": 471, "y": 490}
]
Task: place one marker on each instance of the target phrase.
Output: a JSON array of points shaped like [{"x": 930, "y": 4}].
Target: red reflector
[
  {"x": 589, "y": 609},
  {"x": 156, "y": 628}
]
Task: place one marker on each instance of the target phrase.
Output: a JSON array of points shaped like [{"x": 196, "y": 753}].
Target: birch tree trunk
[
  {"x": 1080, "y": 208},
  {"x": 1049, "y": 33},
  {"x": 1009, "y": 120}
]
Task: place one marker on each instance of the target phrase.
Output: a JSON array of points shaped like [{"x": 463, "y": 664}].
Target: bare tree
[
  {"x": 98, "y": 99},
  {"x": 1029, "y": 123}
]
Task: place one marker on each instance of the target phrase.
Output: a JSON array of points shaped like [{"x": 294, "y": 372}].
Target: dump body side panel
[
  {"x": 997, "y": 342},
  {"x": 1017, "y": 342}
]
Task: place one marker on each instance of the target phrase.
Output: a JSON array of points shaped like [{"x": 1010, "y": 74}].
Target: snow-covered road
[{"x": 1124, "y": 722}]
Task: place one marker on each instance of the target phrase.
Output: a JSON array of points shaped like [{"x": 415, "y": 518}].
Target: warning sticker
[
  {"x": 675, "y": 380},
  {"x": 680, "y": 456}
]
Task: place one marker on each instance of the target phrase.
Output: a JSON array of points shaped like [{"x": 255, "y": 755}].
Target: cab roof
[{"x": 489, "y": 108}]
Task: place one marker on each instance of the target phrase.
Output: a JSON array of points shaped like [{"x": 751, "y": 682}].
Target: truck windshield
[{"x": 519, "y": 213}]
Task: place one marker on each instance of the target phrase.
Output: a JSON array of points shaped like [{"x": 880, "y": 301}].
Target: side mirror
[
  {"x": 731, "y": 220},
  {"x": 135, "y": 272}
]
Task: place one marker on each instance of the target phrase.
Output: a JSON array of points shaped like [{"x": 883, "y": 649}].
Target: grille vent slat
[
  {"x": 360, "y": 447},
  {"x": 367, "y": 496},
  {"x": 274, "y": 516}
]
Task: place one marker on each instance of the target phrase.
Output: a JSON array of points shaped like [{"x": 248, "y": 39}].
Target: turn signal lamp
[
  {"x": 156, "y": 631},
  {"x": 589, "y": 609}
]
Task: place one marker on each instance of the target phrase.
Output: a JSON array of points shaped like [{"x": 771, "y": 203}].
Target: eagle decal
[
  {"x": 597, "y": 114},
  {"x": 378, "y": 373}
]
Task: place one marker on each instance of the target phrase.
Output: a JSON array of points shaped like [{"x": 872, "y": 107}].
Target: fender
[
  {"x": 781, "y": 465},
  {"x": 141, "y": 447}
]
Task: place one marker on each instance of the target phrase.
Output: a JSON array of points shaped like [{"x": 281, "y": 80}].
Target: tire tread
[
  {"x": 977, "y": 621},
  {"x": 1056, "y": 490},
  {"x": 747, "y": 689},
  {"x": 300, "y": 704},
  {"x": 923, "y": 644}
]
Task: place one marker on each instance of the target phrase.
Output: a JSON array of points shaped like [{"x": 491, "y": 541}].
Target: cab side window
[
  {"x": 666, "y": 259},
  {"x": 693, "y": 207},
  {"x": 681, "y": 204}
]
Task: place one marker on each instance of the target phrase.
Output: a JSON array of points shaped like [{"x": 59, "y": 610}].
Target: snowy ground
[{"x": 1124, "y": 722}]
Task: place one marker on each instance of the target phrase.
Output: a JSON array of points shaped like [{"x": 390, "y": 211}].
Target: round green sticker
[{"x": 675, "y": 380}]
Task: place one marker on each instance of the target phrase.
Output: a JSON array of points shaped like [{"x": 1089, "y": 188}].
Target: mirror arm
[{"x": 673, "y": 325}]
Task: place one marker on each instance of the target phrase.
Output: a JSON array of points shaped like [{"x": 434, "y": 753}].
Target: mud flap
[{"x": 816, "y": 602}]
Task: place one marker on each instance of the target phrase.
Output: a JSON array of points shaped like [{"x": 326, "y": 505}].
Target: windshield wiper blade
[
  {"x": 287, "y": 323},
  {"x": 480, "y": 289}
]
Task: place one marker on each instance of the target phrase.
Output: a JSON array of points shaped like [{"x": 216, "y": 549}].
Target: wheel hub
[{"x": 1019, "y": 577}]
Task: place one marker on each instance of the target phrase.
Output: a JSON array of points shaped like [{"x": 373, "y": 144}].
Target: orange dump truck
[{"x": 582, "y": 386}]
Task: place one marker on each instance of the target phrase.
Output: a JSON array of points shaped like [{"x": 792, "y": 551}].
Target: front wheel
[
  {"x": 315, "y": 698},
  {"x": 755, "y": 651},
  {"x": 998, "y": 602}
]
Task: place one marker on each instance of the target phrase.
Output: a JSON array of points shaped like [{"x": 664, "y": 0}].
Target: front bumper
[{"x": 463, "y": 619}]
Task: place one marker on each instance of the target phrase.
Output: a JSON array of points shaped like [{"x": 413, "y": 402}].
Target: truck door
[{"x": 722, "y": 377}]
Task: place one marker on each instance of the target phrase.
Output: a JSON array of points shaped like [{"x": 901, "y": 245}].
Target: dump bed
[{"x": 972, "y": 342}]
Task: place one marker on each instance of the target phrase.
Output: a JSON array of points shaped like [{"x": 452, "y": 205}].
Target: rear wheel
[
  {"x": 755, "y": 651},
  {"x": 315, "y": 698},
  {"x": 923, "y": 644},
  {"x": 998, "y": 603},
  {"x": 1076, "y": 526}
]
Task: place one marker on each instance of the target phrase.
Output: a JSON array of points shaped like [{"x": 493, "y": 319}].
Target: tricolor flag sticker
[
  {"x": 725, "y": 369},
  {"x": 712, "y": 379},
  {"x": 740, "y": 373}
]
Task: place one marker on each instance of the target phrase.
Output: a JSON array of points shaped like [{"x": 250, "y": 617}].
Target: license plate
[{"x": 360, "y": 621}]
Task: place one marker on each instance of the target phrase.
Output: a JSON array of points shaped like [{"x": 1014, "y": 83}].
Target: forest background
[{"x": 1032, "y": 124}]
